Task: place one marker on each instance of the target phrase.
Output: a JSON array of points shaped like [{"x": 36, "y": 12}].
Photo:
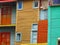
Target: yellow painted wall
[
  {"x": 36, "y": 44},
  {"x": 25, "y": 18}
]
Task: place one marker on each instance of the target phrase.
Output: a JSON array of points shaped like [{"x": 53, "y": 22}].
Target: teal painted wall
[{"x": 53, "y": 25}]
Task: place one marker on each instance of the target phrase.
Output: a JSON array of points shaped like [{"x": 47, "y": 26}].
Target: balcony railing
[{"x": 7, "y": 1}]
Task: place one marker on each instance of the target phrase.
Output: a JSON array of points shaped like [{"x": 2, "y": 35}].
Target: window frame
[
  {"x": 45, "y": 17},
  {"x": 18, "y": 5},
  {"x": 33, "y": 30},
  {"x": 20, "y": 37},
  {"x": 34, "y": 3}
]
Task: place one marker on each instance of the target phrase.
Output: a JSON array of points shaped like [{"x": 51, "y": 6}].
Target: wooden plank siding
[{"x": 25, "y": 18}]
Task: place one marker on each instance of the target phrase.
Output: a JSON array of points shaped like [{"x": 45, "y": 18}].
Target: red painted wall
[
  {"x": 7, "y": 0},
  {"x": 42, "y": 31}
]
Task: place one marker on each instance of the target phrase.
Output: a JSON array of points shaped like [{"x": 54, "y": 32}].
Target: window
[
  {"x": 34, "y": 27},
  {"x": 35, "y": 4},
  {"x": 54, "y": 2},
  {"x": 43, "y": 15},
  {"x": 34, "y": 33},
  {"x": 34, "y": 37},
  {"x": 20, "y": 5},
  {"x": 18, "y": 37}
]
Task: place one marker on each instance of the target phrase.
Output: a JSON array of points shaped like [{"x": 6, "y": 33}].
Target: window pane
[
  {"x": 56, "y": 1},
  {"x": 18, "y": 37},
  {"x": 34, "y": 41},
  {"x": 20, "y": 5},
  {"x": 35, "y": 3},
  {"x": 34, "y": 37},
  {"x": 43, "y": 14},
  {"x": 34, "y": 27}
]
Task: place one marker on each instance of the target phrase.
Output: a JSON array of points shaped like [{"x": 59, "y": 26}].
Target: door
[
  {"x": 6, "y": 15},
  {"x": 3, "y": 16},
  {"x": 5, "y": 38},
  {"x": 58, "y": 42},
  {"x": 9, "y": 13}
]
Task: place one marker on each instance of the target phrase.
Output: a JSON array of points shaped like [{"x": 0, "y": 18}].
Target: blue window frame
[{"x": 20, "y": 5}]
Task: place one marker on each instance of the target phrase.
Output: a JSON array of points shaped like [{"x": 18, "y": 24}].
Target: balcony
[
  {"x": 7, "y": 14},
  {"x": 1, "y": 1}
]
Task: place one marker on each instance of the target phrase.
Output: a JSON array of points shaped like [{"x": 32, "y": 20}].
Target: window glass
[
  {"x": 34, "y": 33},
  {"x": 43, "y": 15},
  {"x": 34, "y": 27},
  {"x": 35, "y": 3},
  {"x": 20, "y": 5},
  {"x": 18, "y": 37},
  {"x": 34, "y": 37}
]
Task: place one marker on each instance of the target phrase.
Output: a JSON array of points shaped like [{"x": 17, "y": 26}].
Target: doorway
[
  {"x": 6, "y": 13},
  {"x": 4, "y": 38}
]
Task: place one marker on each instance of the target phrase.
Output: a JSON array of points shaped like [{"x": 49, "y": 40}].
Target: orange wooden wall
[{"x": 42, "y": 31}]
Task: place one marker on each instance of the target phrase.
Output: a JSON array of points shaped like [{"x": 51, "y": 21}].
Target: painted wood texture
[
  {"x": 36, "y": 44},
  {"x": 4, "y": 38},
  {"x": 6, "y": 15},
  {"x": 53, "y": 25},
  {"x": 42, "y": 31},
  {"x": 25, "y": 18}
]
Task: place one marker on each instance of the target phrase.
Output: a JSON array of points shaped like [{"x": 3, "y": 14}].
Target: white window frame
[
  {"x": 43, "y": 17},
  {"x": 34, "y": 4},
  {"x": 32, "y": 31},
  {"x": 20, "y": 37},
  {"x": 18, "y": 5}
]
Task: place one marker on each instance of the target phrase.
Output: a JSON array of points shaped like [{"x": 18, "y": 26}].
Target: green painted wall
[{"x": 53, "y": 25}]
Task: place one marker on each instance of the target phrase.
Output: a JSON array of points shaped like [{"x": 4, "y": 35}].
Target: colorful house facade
[
  {"x": 54, "y": 22},
  {"x": 7, "y": 22},
  {"x": 23, "y": 22},
  {"x": 18, "y": 21},
  {"x": 43, "y": 22},
  {"x": 28, "y": 16}
]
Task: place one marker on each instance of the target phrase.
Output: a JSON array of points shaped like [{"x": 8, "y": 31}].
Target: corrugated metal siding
[
  {"x": 42, "y": 31},
  {"x": 54, "y": 25}
]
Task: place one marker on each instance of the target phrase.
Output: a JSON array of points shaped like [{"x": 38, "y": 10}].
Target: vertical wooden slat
[
  {"x": 3, "y": 17},
  {"x": 5, "y": 37},
  {"x": 0, "y": 16},
  {"x": 9, "y": 15}
]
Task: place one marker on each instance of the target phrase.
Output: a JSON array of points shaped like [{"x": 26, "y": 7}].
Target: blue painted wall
[
  {"x": 53, "y": 25},
  {"x": 11, "y": 30}
]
